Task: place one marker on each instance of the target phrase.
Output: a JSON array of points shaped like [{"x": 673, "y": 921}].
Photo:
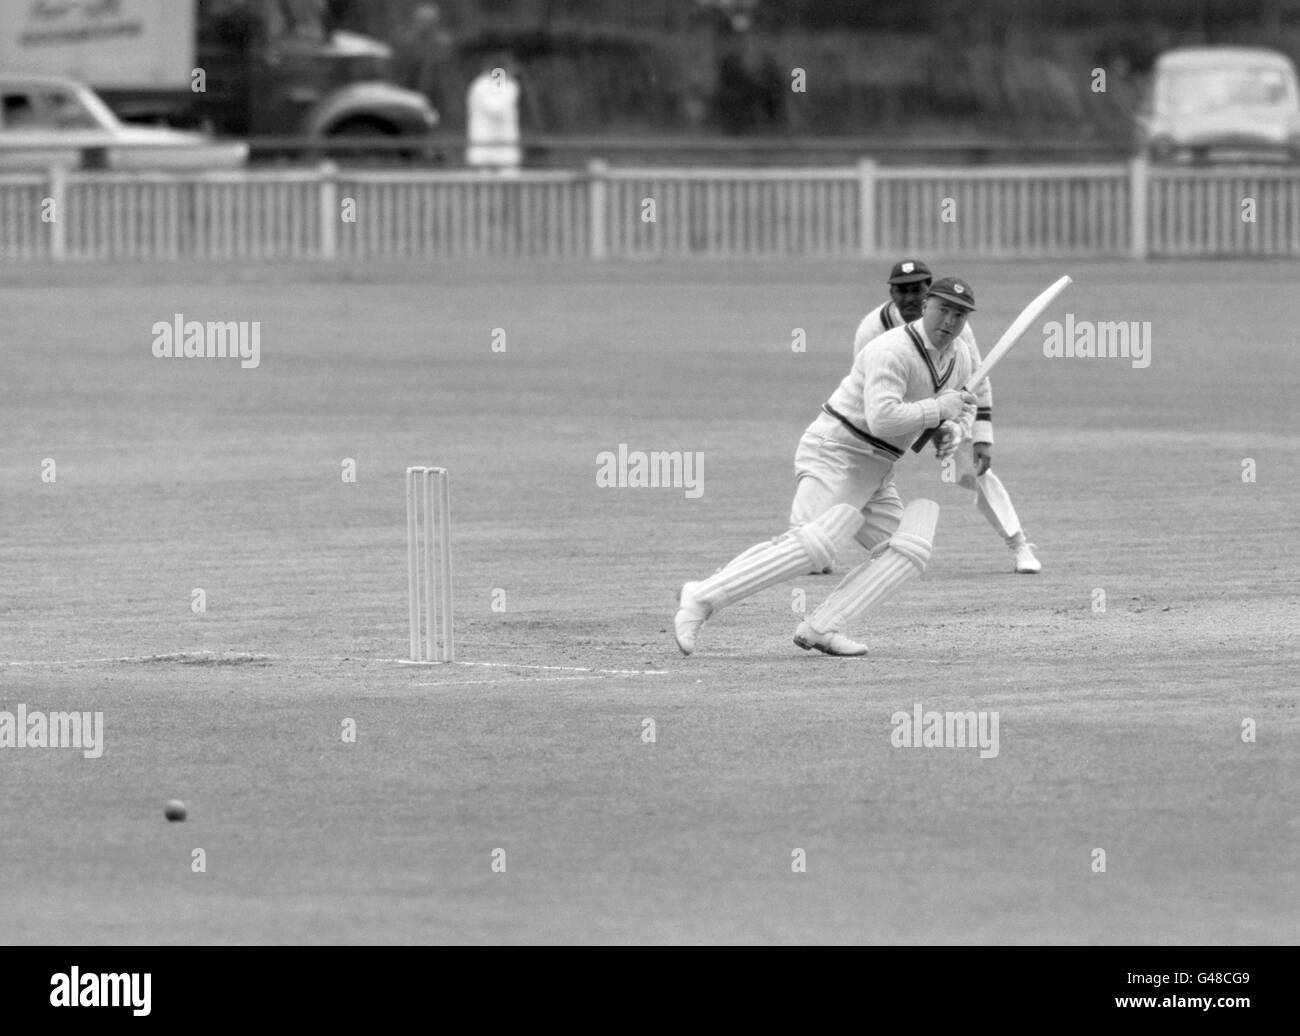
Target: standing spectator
[
  {"x": 773, "y": 89},
  {"x": 426, "y": 61},
  {"x": 735, "y": 94},
  {"x": 492, "y": 106}
]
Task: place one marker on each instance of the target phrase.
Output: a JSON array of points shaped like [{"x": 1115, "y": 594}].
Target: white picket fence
[{"x": 1129, "y": 210}]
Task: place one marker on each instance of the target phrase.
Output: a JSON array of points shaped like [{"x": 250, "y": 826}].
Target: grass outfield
[{"x": 1119, "y": 730}]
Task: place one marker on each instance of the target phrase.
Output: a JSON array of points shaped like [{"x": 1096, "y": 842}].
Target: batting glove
[
  {"x": 953, "y": 403},
  {"x": 947, "y": 439}
]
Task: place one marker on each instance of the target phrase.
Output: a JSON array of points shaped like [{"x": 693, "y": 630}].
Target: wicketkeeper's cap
[
  {"x": 953, "y": 290},
  {"x": 909, "y": 271}
]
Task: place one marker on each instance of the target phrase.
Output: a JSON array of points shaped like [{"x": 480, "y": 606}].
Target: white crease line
[
  {"x": 572, "y": 669},
  {"x": 526, "y": 665},
  {"x": 178, "y": 656},
  {"x": 253, "y": 656},
  {"x": 507, "y": 679}
]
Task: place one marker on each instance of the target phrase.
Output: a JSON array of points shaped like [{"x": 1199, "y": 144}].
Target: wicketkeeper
[
  {"x": 908, "y": 282},
  {"x": 901, "y": 384}
]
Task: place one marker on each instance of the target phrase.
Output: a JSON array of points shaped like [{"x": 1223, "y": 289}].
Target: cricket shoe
[
  {"x": 827, "y": 643},
  {"x": 1026, "y": 563},
  {"x": 689, "y": 618}
]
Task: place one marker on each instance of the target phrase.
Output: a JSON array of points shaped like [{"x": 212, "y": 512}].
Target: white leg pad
[
  {"x": 994, "y": 503},
  {"x": 823, "y": 536},
  {"x": 747, "y": 554},
  {"x": 814, "y": 543},
  {"x": 875, "y": 580}
]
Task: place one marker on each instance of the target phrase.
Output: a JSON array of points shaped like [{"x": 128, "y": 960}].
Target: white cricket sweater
[
  {"x": 886, "y": 317},
  {"x": 888, "y": 395}
]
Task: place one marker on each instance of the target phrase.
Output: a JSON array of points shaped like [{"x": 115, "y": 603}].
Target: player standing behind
[{"x": 909, "y": 280}]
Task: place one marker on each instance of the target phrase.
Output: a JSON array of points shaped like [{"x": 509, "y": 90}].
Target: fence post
[
  {"x": 597, "y": 202},
  {"x": 1139, "y": 179},
  {"x": 329, "y": 211},
  {"x": 58, "y": 200},
  {"x": 867, "y": 208}
]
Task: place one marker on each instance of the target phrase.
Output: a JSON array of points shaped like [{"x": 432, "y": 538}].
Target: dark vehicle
[
  {"x": 275, "y": 68},
  {"x": 259, "y": 68}
]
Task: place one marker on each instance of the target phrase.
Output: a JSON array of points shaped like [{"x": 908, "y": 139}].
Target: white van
[{"x": 1222, "y": 104}]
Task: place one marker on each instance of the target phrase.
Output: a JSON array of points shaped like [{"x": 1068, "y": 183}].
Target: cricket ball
[{"x": 174, "y": 810}]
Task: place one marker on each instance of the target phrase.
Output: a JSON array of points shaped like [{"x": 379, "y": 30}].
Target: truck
[{"x": 243, "y": 68}]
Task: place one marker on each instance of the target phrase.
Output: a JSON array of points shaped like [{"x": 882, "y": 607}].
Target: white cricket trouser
[{"x": 830, "y": 471}]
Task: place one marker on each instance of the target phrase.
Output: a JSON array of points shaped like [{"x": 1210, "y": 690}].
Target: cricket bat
[{"x": 1010, "y": 337}]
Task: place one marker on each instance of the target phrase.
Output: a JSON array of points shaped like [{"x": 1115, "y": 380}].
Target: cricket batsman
[
  {"x": 908, "y": 282},
  {"x": 901, "y": 384}
]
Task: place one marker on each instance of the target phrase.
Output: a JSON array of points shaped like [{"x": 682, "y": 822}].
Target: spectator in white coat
[{"x": 493, "y": 117}]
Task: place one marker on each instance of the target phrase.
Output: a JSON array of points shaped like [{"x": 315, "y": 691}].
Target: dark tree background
[{"x": 884, "y": 67}]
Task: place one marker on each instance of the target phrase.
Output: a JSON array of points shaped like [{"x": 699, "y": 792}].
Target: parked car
[
  {"x": 49, "y": 120},
  {"x": 1222, "y": 104}
]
